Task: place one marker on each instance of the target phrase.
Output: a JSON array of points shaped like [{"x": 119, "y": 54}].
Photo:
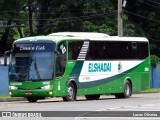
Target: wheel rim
[
  {"x": 70, "y": 92},
  {"x": 127, "y": 90}
]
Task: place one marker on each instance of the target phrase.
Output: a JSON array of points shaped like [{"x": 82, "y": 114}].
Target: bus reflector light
[
  {"x": 50, "y": 93},
  {"x": 10, "y": 93}
]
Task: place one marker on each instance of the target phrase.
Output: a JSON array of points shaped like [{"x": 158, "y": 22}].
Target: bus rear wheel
[
  {"x": 71, "y": 96},
  {"x": 32, "y": 99},
  {"x": 127, "y": 91},
  {"x": 92, "y": 97}
]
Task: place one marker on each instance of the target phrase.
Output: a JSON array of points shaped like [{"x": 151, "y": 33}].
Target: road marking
[
  {"x": 22, "y": 104},
  {"x": 17, "y": 105},
  {"x": 146, "y": 107},
  {"x": 108, "y": 109},
  {"x": 110, "y": 118}
]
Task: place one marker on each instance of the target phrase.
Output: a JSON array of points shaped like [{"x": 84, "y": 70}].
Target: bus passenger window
[{"x": 74, "y": 48}]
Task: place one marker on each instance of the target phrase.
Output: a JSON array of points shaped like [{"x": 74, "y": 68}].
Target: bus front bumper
[{"x": 31, "y": 93}]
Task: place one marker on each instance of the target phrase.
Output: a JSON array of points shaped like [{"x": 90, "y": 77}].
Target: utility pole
[{"x": 120, "y": 22}]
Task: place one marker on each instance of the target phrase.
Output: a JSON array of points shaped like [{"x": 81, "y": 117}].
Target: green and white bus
[{"x": 70, "y": 64}]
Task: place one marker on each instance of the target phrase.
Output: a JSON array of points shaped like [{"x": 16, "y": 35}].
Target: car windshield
[{"x": 32, "y": 62}]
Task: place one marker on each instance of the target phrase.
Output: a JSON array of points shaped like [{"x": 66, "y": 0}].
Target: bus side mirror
[{"x": 5, "y": 57}]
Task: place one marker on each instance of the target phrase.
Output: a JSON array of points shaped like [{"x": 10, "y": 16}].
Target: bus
[{"x": 70, "y": 64}]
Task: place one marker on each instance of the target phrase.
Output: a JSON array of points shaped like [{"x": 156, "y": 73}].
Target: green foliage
[
  {"x": 151, "y": 90},
  {"x": 41, "y": 17},
  {"x": 104, "y": 28},
  {"x": 154, "y": 60}
]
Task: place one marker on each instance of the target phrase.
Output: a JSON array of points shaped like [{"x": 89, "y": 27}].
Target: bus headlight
[
  {"x": 13, "y": 87},
  {"x": 46, "y": 87}
]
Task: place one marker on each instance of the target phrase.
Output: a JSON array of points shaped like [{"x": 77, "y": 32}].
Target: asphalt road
[{"x": 138, "y": 102}]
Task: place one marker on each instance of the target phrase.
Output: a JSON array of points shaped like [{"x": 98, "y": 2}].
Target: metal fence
[
  {"x": 4, "y": 87},
  {"x": 155, "y": 77}
]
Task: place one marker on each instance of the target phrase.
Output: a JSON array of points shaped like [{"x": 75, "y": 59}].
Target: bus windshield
[{"x": 32, "y": 62}]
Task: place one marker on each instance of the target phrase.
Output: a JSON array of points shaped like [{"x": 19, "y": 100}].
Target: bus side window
[
  {"x": 134, "y": 50},
  {"x": 61, "y": 59},
  {"x": 74, "y": 48},
  {"x": 142, "y": 50}
]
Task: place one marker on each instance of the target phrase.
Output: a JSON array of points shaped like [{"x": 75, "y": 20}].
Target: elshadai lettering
[{"x": 99, "y": 67}]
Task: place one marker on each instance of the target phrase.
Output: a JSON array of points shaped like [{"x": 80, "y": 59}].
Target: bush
[{"x": 154, "y": 60}]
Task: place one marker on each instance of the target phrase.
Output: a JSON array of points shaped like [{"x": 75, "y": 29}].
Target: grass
[
  {"x": 8, "y": 98},
  {"x": 152, "y": 90},
  {"x": 5, "y": 96}
]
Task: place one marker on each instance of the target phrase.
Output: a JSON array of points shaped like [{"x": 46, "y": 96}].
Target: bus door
[{"x": 61, "y": 59}]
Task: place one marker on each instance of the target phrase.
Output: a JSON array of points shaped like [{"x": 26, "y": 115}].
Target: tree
[
  {"x": 41, "y": 17},
  {"x": 145, "y": 16}
]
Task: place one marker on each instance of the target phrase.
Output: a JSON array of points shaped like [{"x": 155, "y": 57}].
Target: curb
[{"x": 12, "y": 99}]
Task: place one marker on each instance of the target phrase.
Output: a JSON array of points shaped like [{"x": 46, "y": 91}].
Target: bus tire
[
  {"x": 127, "y": 91},
  {"x": 71, "y": 95},
  {"x": 92, "y": 97},
  {"x": 32, "y": 99}
]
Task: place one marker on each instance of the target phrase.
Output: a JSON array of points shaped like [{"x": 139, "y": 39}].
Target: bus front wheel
[
  {"x": 32, "y": 99},
  {"x": 127, "y": 91},
  {"x": 71, "y": 95}
]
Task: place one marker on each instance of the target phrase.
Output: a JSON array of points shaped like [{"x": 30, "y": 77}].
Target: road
[{"x": 138, "y": 102}]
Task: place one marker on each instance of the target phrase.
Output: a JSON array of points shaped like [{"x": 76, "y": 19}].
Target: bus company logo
[{"x": 119, "y": 67}]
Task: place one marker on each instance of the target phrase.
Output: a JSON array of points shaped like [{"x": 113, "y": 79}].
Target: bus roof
[
  {"x": 116, "y": 38},
  {"x": 48, "y": 38},
  {"x": 56, "y": 37},
  {"x": 79, "y": 34}
]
